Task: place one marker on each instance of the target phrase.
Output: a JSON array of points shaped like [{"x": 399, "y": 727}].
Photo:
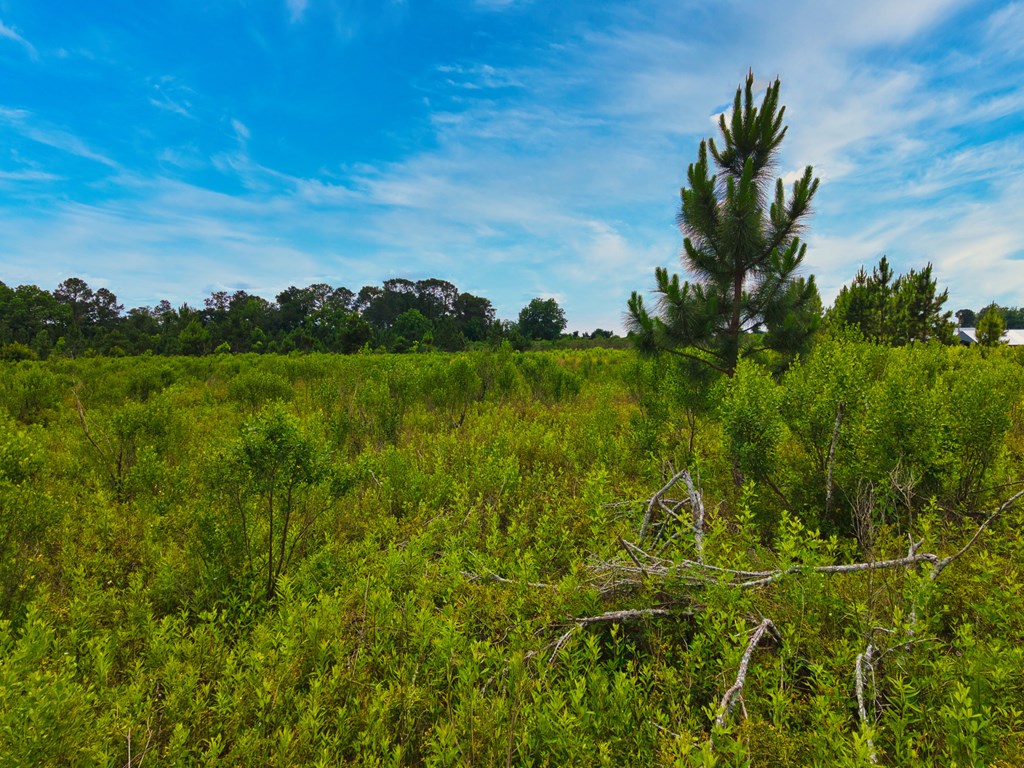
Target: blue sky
[{"x": 516, "y": 148}]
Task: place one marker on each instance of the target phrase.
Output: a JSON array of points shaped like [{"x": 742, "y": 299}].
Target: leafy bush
[
  {"x": 269, "y": 478},
  {"x": 15, "y": 351},
  {"x": 32, "y": 392},
  {"x": 255, "y": 387}
]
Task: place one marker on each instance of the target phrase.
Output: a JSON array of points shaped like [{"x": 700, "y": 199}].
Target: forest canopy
[{"x": 399, "y": 316}]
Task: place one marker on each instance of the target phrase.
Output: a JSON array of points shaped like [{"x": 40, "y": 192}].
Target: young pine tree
[
  {"x": 896, "y": 311},
  {"x": 991, "y": 327},
  {"x": 742, "y": 247}
]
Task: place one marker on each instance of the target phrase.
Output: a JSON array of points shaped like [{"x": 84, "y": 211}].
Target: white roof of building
[{"x": 1013, "y": 338}]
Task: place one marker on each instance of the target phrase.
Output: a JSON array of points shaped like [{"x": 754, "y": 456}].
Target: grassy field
[{"x": 443, "y": 560}]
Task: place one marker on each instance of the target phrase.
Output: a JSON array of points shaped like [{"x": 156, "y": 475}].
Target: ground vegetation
[{"x": 506, "y": 558}]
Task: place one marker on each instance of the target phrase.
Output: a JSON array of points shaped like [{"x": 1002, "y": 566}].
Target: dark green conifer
[{"x": 741, "y": 247}]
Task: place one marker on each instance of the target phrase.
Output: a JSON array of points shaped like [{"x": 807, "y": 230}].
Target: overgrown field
[{"x": 465, "y": 560}]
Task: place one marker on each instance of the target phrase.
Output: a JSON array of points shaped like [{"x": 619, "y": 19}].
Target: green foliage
[
  {"x": 673, "y": 397},
  {"x": 991, "y": 327},
  {"x": 380, "y": 402},
  {"x": 26, "y": 516},
  {"x": 548, "y": 381},
  {"x": 15, "y": 351},
  {"x": 1013, "y": 317},
  {"x": 117, "y": 437},
  {"x": 256, "y": 387},
  {"x": 269, "y": 478},
  {"x": 148, "y": 378},
  {"x": 894, "y": 311},
  {"x": 542, "y": 319},
  {"x": 752, "y": 420},
  {"x": 74, "y": 320},
  {"x": 30, "y": 392},
  {"x": 411, "y": 329},
  {"x": 741, "y": 243},
  {"x": 935, "y": 420},
  {"x": 452, "y": 386},
  {"x": 378, "y": 560}
]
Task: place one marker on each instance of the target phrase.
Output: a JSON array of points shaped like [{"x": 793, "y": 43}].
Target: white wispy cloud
[
  {"x": 171, "y": 96},
  {"x": 38, "y": 130},
  {"x": 240, "y": 129},
  {"x": 209, "y": 238},
  {"x": 498, "y": 5},
  {"x": 28, "y": 175},
  {"x": 297, "y": 9},
  {"x": 1005, "y": 28},
  {"x": 479, "y": 76},
  {"x": 187, "y": 157},
  {"x": 9, "y": 33}
]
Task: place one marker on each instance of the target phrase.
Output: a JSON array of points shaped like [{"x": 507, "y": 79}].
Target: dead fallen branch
[
  {"x": 654, "y": 528},
  {"x": 640, "y": 566},
  {"x": 864, "y": 660},
  {"x": 632, "y": 614},
  {"x": 656, "y": 501},
  {"x": 832, "y": 460},
  {"x": 736, "y": 690},
  {"x": 942, "y": 564},
  {"x": 502, "y": 580},
  {"x": 697, "y": 507},
  {"x": 610, "y": 617},
  {"x": 619, "y": 575}
]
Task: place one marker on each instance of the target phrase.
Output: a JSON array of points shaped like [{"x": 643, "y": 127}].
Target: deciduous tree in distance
[{"x": 542, "y": 319}]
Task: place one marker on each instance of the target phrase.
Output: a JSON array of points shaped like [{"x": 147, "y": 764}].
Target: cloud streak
[
  {"x": 297, "y": 9},
  {"x": 9, "y": 33},
  {"x": 26, "y": 124}
]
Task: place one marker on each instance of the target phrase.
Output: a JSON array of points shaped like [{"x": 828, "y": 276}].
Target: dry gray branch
[
  {"x": 832, "y": 460},
  {"x": 697, "y": 507},
  {"x": 654, "y": 501},
  {"x": 619, "y": 574},
  {"x": 633, "y": 614},
  {"x": 626, "y": 547},
  {"x": 736, "y": 690},
  {"x": 863, "y": 517},
  {"x": 942, "y": 564},
  {"x": 864, "y": 660},
  {"x": 502, "y": 580},
  {"x": 557, "y": 645}
]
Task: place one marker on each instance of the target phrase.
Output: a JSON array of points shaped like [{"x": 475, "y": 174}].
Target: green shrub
[
  {"x": 255, "y": 387},
  {"x": 16, "y": 351}
]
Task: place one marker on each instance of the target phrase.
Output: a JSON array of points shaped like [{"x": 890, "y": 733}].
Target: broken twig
[{"x": 736, "y": 690}]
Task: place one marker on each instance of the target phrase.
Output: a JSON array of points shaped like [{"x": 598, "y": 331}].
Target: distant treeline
[
  {"x": 1013, "y": 317},
  {"x": 399, "y": 316}
]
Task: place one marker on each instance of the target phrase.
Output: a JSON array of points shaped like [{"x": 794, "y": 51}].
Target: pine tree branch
[{"x": 681, "y": 353}]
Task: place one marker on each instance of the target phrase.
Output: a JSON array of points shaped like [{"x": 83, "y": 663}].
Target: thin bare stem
[
  {"x": 502, "y": 580},
  {"x": 941, "y": 565},
  {"x": 736, "y": 690},
  {"x": 832, "y": 460},
  {"x": 864, "y": 660},
  {"x": 697, "y": 507},
  {"x": 653, "y": 502}
]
